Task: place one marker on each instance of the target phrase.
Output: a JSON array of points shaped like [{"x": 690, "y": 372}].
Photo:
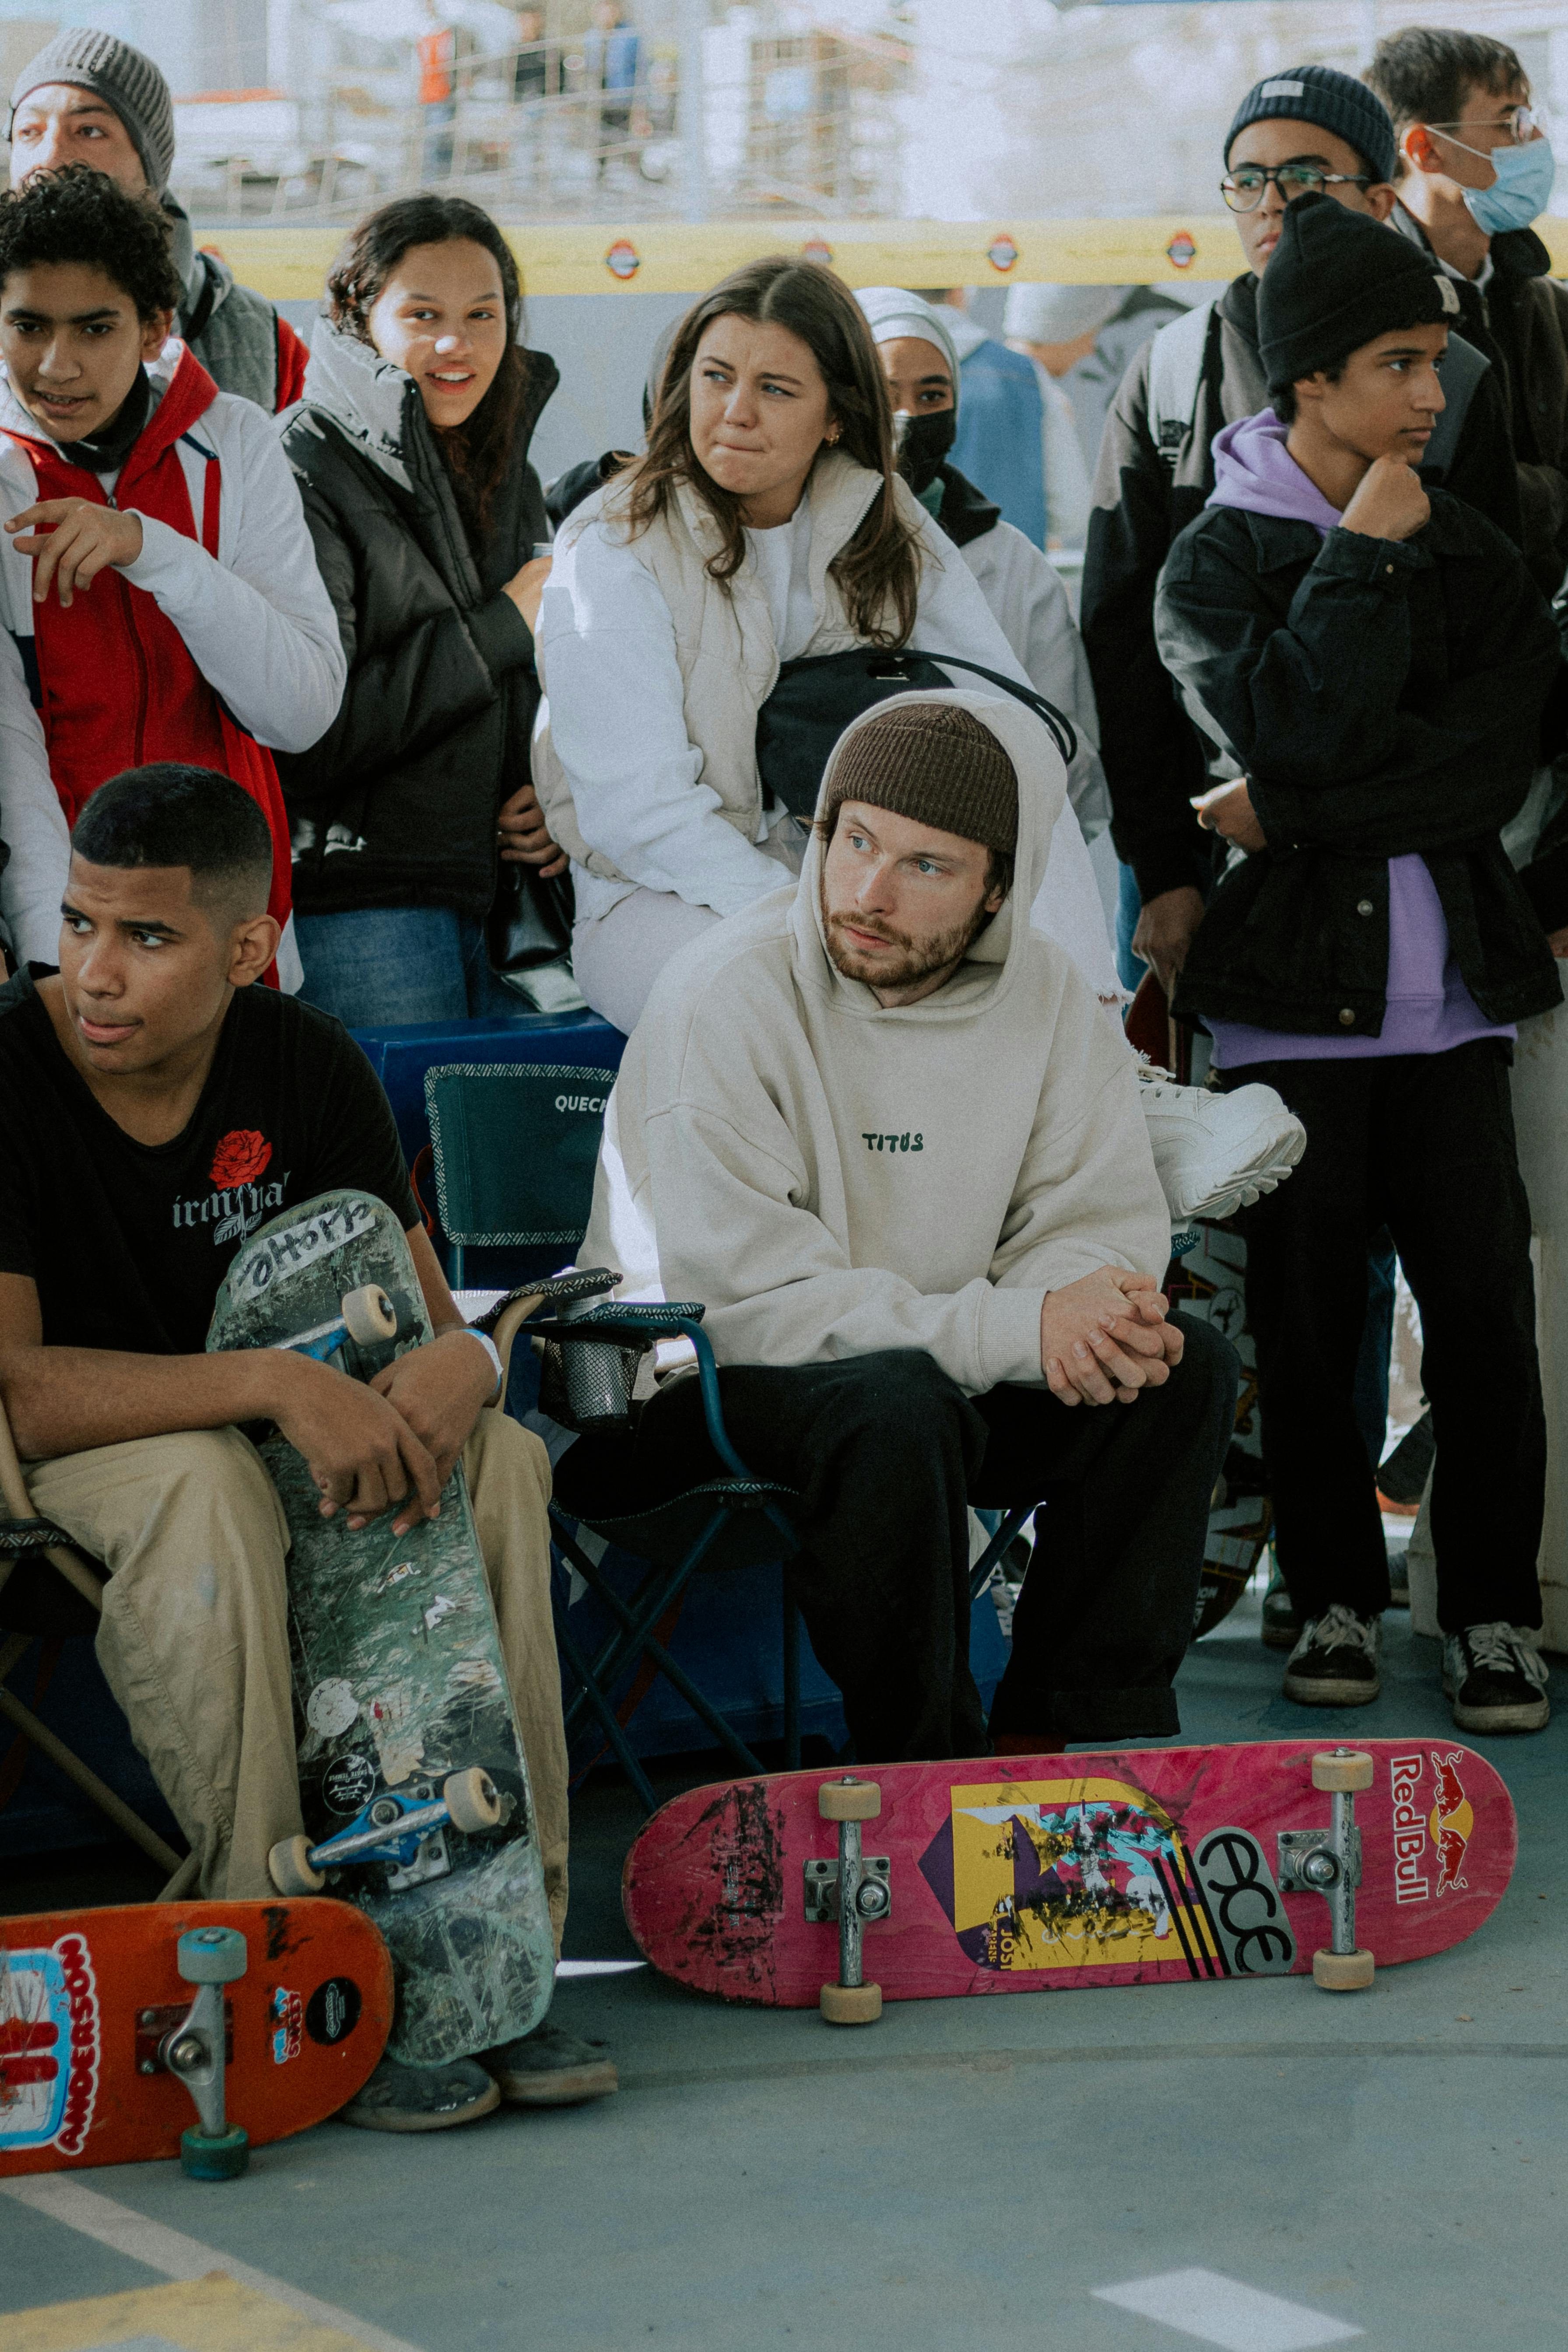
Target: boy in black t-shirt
[{"x": 157, "y": 1106}]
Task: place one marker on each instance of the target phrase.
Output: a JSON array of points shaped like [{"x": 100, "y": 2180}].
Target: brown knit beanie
[{"x": 935, "y": 764}]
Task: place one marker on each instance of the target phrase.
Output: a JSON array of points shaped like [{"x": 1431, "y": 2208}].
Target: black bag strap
[{"x": 1061, "y": 726}]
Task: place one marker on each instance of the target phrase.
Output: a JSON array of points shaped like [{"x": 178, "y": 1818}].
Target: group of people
[{"x": 808, "y": 722}]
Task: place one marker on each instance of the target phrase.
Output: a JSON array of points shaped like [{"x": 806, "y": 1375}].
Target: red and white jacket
[{"x": 217, "y": 645}]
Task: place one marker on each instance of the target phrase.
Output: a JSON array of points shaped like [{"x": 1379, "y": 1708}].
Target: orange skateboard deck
[
  {"x": 1051, "y": 1872},
  {"x": 91, "y": 2000}
]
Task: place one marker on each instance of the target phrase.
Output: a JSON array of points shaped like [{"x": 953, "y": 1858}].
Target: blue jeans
[{"x": 384, "y": 967}]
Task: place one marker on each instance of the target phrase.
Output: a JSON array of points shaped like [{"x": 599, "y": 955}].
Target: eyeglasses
[
  {"x": 1243, "y": 189},
  {"x": 1521, "y": 124}
]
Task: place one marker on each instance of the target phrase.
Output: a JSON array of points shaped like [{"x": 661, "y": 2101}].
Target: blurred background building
[{"x": 305, "y": 110}]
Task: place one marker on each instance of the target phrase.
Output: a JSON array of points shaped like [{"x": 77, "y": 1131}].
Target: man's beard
[{"x": 920, "y": 958}]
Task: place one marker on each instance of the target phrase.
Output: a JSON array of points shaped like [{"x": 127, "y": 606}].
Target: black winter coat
[
  {"x": 1154, "y": 759},
  {"x": 1384, "y": 698},
  {"x": 395, "y": 806}
]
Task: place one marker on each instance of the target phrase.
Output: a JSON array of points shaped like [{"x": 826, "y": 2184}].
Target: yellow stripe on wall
[{"x": 672, "y": 257}]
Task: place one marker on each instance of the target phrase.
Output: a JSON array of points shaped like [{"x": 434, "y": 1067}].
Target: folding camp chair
[
  {"x": 515, "y": 1145},
  {"x": 728, "y": 1522},
  {"x": 54, "y": 1606}
]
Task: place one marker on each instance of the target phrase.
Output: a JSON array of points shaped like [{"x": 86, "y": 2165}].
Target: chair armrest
[
  {"x": 19, "y": 1503},
  {"x": 639, "y": 1326},
  {"x": 502, "y": 1320}
]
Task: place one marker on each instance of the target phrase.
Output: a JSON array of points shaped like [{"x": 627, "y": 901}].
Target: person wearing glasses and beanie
[
  {"x": 1372, "y": 949},
  {"x": 1307, "y": 129},
  {"x": 1473, "y": 169}
]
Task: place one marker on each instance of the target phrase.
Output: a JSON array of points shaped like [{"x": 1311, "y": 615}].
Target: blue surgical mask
[{"x": 1520, "y": 191}]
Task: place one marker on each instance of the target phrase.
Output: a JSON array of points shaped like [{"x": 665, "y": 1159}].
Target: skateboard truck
[
  {"x": 395, "y": 1828},
  {"x": 855, "y": 1890},
  {"x": 195, "y": 2048},
  {"x": 1328, "y": 1862}
]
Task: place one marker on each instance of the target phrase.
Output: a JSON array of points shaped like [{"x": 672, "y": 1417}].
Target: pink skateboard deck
[{"x": 1023, "y": 1873}]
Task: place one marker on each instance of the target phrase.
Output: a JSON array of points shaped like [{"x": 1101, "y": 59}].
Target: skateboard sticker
[
  {"x": 332, "y": 2011},
  {"x": 279, "y": 1255},
  {"x": 288, "y": 2017},
  {"x": 1245, "y": 1905},
  {"x": 1446, "y": 1817},
  {"x": 48, "y": 2046},
  {"x": 347, "y": 1783},
  {"x": 332, "y": 1707},
  {"x": 1050, "y": 1874}
]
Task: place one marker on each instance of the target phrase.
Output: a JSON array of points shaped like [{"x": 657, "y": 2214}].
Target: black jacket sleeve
[
  {"x": 408, "y": 697},
  {"x": 1315, "y": 705},
  {"x": 1153, "y": 759}
]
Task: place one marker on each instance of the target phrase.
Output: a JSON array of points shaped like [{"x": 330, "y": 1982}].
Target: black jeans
[
  {"x": 887, "y": 1451},
  {"x": 1423, "y": 1143}
]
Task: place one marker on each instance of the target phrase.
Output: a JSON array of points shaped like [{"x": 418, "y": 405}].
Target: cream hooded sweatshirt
[{"x": 830, "y": 1176}]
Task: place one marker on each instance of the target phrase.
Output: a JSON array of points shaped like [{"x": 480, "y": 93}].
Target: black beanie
[
  {"x": 1337, "y": 279},
  {"x": 1333, "y": 101}
]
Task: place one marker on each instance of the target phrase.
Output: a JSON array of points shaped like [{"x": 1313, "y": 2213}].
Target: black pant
[
  {"x": 1424, "y": 1143},
  {"x": 887, "y": 1451}
]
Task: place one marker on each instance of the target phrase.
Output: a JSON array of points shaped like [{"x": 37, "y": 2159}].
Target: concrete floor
[{"x": 1255, "y": 2166}]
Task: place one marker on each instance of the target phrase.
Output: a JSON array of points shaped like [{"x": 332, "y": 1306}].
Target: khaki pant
[{"x": 194, "y": 1637}]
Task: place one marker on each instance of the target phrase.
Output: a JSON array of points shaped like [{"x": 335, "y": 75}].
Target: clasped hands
[
  {"x": 389, "y": 1444},
  {"x": 1104, "y": 1339}
]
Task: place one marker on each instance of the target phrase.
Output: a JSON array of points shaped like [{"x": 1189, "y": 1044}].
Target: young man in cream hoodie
[{"x": 885, "y": 1131}]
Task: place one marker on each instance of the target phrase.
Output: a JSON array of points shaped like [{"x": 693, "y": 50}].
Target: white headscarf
[
  {"x": 1060, "y": 314},
  {"x": 891, "y": 312}
]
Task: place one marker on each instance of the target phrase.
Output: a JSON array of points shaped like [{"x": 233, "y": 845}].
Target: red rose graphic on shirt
[{"x": 240, "y": 1157}]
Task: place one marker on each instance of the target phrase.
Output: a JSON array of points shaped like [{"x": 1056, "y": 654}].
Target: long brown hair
[
  {"x": 881, "y": 564},
  {"x": 478, "y": 454}
]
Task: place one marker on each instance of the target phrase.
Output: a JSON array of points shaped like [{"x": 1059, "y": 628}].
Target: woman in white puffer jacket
[{"x": 765, "y": 522}]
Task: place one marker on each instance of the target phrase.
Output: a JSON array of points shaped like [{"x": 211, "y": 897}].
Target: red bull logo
[
  {"x": 1452, "y": 1820},
  {"x": 1441, "y": 1821}
]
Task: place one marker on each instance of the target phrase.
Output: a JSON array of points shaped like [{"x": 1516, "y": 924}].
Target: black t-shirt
[{"x": 128, "y": 1241}]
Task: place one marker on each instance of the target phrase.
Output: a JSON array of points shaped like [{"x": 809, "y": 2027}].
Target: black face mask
[{"x": 925, "y": 443}]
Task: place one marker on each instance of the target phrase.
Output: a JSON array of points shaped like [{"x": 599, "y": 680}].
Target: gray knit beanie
[
  {"x": 935, "y": 764},
  {"x": 119, "y": 74}
]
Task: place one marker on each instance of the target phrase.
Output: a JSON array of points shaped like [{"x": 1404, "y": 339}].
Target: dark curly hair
[
  {"x": 478, "y": 454},
  {"x": 78, "y": 214}
]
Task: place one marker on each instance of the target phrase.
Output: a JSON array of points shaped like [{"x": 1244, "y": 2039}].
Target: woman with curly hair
[
  {"x": 411, "y": 447},
  {"x": 207, "y": 637},
  {"x": 765, "y": 522}
]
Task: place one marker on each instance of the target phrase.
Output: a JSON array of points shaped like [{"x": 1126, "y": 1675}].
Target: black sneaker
[
  {"x": 1496, "y": 1679},
  {"x": 399, "y": 2098},
  {"x": 550, "y": 2068},
  {"x": 1334, "y": 1664},
  {"x": 1282, "y": 1627}
]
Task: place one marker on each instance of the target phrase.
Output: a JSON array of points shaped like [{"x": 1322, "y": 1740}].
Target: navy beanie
[
  {"x": 1333, "y": 101},
  {"x": 1337, "y": 279}
]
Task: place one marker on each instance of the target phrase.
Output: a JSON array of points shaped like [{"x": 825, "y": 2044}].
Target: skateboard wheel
[
  {"x": 472, "y": 1800},
  {"x": 369, "y": 1316},
  {"x": 849, "y": 1801},
  {"x": 1345, "y": 1769},
  {"x": 215, "y": 2156},
  {"x": 289, "y": 1866},
  {"x": 851, "y": 2004},
  {"x": 1343, "y": 1971},
  {"x": 211, "y": 1955}
]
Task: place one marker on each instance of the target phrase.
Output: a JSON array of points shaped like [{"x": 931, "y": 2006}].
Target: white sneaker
[{"x": 1216, "y": 1153}]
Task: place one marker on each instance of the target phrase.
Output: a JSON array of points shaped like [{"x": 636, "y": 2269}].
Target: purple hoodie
[{"x": 1430, "y": 1008}]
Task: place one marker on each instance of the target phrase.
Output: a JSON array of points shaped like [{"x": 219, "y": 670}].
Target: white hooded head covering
[
  {"x": 1060, "y": 314},
  {"x": 891, "y": 312}
]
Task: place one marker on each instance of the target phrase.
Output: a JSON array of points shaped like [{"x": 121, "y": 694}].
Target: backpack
[{"x": 1176, "y": 359}]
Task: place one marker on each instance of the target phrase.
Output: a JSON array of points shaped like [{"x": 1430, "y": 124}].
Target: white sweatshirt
[{"x": 832, "y": 1177}]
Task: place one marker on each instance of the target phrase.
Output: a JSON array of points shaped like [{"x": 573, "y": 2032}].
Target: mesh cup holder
[{"x": 587, "y": 1387}]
